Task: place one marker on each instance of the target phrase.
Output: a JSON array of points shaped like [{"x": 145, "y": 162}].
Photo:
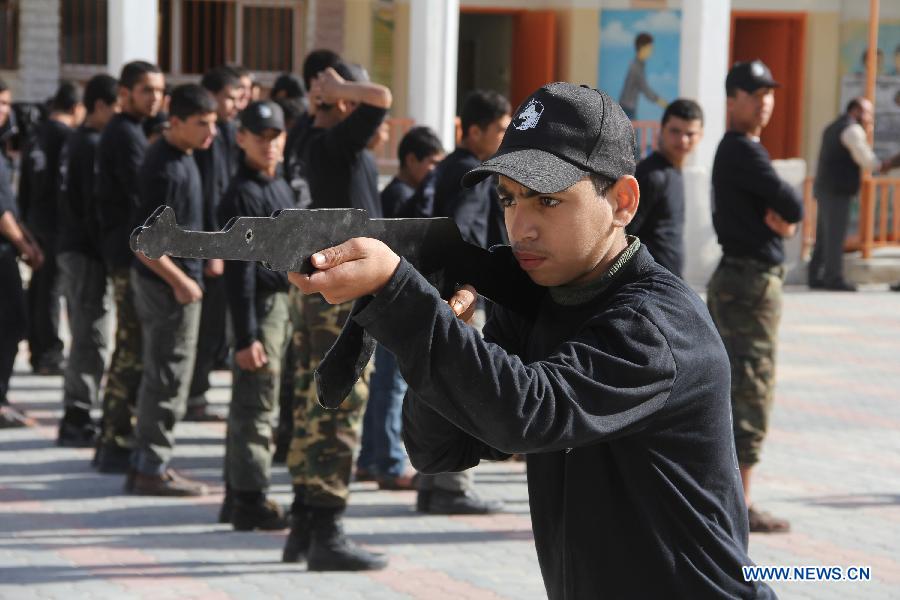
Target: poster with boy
[{"x": 639, "y": 59}]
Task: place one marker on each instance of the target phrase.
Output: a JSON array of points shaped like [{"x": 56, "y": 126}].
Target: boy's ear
[{"x": 625, "y": 195}]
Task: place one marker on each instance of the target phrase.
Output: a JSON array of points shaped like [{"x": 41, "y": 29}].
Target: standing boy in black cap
[
  {"x": 753, "y": 211},
  {"x": 616, "y": 390},
  {"x": 259, "y": 310}
]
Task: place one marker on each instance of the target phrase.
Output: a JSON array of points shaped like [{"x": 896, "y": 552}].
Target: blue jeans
[{"x": 382, "y": 449}]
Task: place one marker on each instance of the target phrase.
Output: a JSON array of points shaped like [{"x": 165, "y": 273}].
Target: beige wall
[
  {"x": 401, "y": 59},
  {"x": 821, "y": 96},
  {"x": 358, "y": 32},
  {"x": 577, "y": 45}
]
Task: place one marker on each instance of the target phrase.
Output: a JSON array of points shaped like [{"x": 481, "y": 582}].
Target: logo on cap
[
  {"x": 757, "y": 69},
  {"x": 265, "y": 112},
  {"x": 530, "y": 115}
]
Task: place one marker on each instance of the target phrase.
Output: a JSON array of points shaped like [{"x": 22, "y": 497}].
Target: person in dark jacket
[
  {"x": 167, "y": 295},
  {"x": 82, "y": 271},
  {"x": 754, "y": 211},
  {"x": 616, "y": 389},
  {"x": 119, "y": 156},
  {"x": 38, "y": 199},
  {"x": 217, "y": 165},
  {"x": 659, "y": 221},
  {"x": 258, "y": 299}
]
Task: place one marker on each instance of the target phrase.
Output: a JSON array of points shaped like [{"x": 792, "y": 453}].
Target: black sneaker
[
  {"x": 839, "y": 286},
  {"x": 227, "y": 508},
  {"x": 113, "y": 458},
  {"x": 331, "y": 550},
  {"x": 443, "y": 502},
  {"x": 264, "y": 515}
]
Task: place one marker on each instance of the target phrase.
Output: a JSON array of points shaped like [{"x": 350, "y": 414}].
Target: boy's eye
[
  {"x": 506, "y": 201},
  {"x": 548, "y": 201}
]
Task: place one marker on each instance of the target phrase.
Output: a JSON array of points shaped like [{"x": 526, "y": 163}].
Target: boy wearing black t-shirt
[{"x": 167, "y": 294}]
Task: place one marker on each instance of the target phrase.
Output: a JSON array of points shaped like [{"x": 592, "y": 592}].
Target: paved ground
[{"x": 832, "y": 467}]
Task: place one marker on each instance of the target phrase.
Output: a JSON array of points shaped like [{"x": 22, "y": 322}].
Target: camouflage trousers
[
  {"x": 124, "y": 374},
  {"x": 321, "y": 454},
  {"x": 744, "y": 299}
]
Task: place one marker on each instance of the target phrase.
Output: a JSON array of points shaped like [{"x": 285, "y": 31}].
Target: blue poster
[{"x": 639, "y": 59}]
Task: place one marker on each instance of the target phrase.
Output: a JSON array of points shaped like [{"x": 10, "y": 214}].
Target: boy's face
[
  {"x": 197, "y": 131},
  {"x": 563, "y": 237},
  {"x": 486, "y": 142},
  {"x": 751, "y": 110},
  {"x": 679, "y": 137},
  {"x": 263, "y": 150},
  {"x": 645, "y": 52},
  {"x": 417, "y": 169},
  {"x": 227, "y": 100},
  {"x": 146, "y": 97},
  {"x": 5, "y": 106}
]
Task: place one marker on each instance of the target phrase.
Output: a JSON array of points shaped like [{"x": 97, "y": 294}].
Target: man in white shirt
[{"x": 845, "y": 151}]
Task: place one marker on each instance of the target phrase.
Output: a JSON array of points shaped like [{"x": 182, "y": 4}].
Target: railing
[
  {"x": 646, "y": 134},
  {"x": 879, "y": 213},
  {"x": 879, "y": 216}
]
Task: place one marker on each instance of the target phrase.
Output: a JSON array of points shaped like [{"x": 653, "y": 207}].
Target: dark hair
[
  {"x": 481, "y": 108},
  {"x": 238, "y": 71},
  {"x": 853, "y": 105},
  {"x": 642, "y": 39},
  {"x": 3, "y": 85},
  {"x": 602, "y": 183},
  {"x": 316, "y": 62},
  {"x": 292, "y": 108},
  {"x": 215, "y": 80},
  {"x": 421, "y": 142},
  {"x": 66, "y": 98},
  {"x": 134, "y": 71},
  {"x": 682, "y": 108},
  {"x": 100, "y": 87},
  {"x": 288, "y": 83},
  {"x": 190, "y": 99}
]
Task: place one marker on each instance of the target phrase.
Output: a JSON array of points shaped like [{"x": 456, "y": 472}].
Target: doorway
[
  {"x": 512, "y": 52},
  {"x": 779, "y": 40}
]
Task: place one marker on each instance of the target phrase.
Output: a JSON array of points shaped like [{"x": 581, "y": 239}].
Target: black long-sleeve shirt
[
  {"x": 744, "y": 185},
  {"x": 394, "y": 198},
  {"x": 469, "y": 207},
  {"x": 7, "y": 198},
  {"x": 659, "y": 220},
  {"x": 217, "y": 165},
  {"x": 169, "y": 176},
  {"x": 342, "y": 173},
  {"x": 621, "y": 404},
  {"x": 119, "y": 157},
  {"x": 78, "y": 210},
  {"x": 40, "y": 182},
  {"x": 251, "y": 194}
]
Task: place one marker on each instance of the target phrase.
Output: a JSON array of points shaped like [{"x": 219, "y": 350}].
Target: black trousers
[
  {"x": 44, "y": 308},
  {"x": 13, "y": 316}
]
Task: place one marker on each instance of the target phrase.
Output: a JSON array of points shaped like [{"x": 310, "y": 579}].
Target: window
[
  {"x": 268, "y": 38},
  {"x": 9, "y": 34},
  {"x": 83, "y": 28},
  {"x": 262, "y": 35}
]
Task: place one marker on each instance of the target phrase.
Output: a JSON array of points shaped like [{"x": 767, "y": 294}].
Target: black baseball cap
[
  {"x": 261, "y": 115},
  {"x": 750, "y": 76},
  {"x": 562, "y": 133}
]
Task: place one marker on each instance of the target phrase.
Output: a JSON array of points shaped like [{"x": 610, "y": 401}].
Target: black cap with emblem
[
  {"x": 262, "y": 115},
  {"x": 562, "y": 133},
  {"x": 750, "y": 76}
]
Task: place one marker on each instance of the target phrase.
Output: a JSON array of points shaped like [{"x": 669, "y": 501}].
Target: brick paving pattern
[{"x": 832, "y": 466}]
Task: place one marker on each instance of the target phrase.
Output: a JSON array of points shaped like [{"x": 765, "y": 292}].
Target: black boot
[
  {"x": 296, "y": 546},
  {"x": 251, "y": 510},
  {"x": 227, "y": 508},
  {"x": 331, "y": 550},
  {"x": 76, "y": 429}
]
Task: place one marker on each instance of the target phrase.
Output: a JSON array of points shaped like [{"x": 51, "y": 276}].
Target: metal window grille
[
  {"x": 9, "y": 34},
  {"x": 83, "y": 31},
  {"x": 268, "y": 38}
]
